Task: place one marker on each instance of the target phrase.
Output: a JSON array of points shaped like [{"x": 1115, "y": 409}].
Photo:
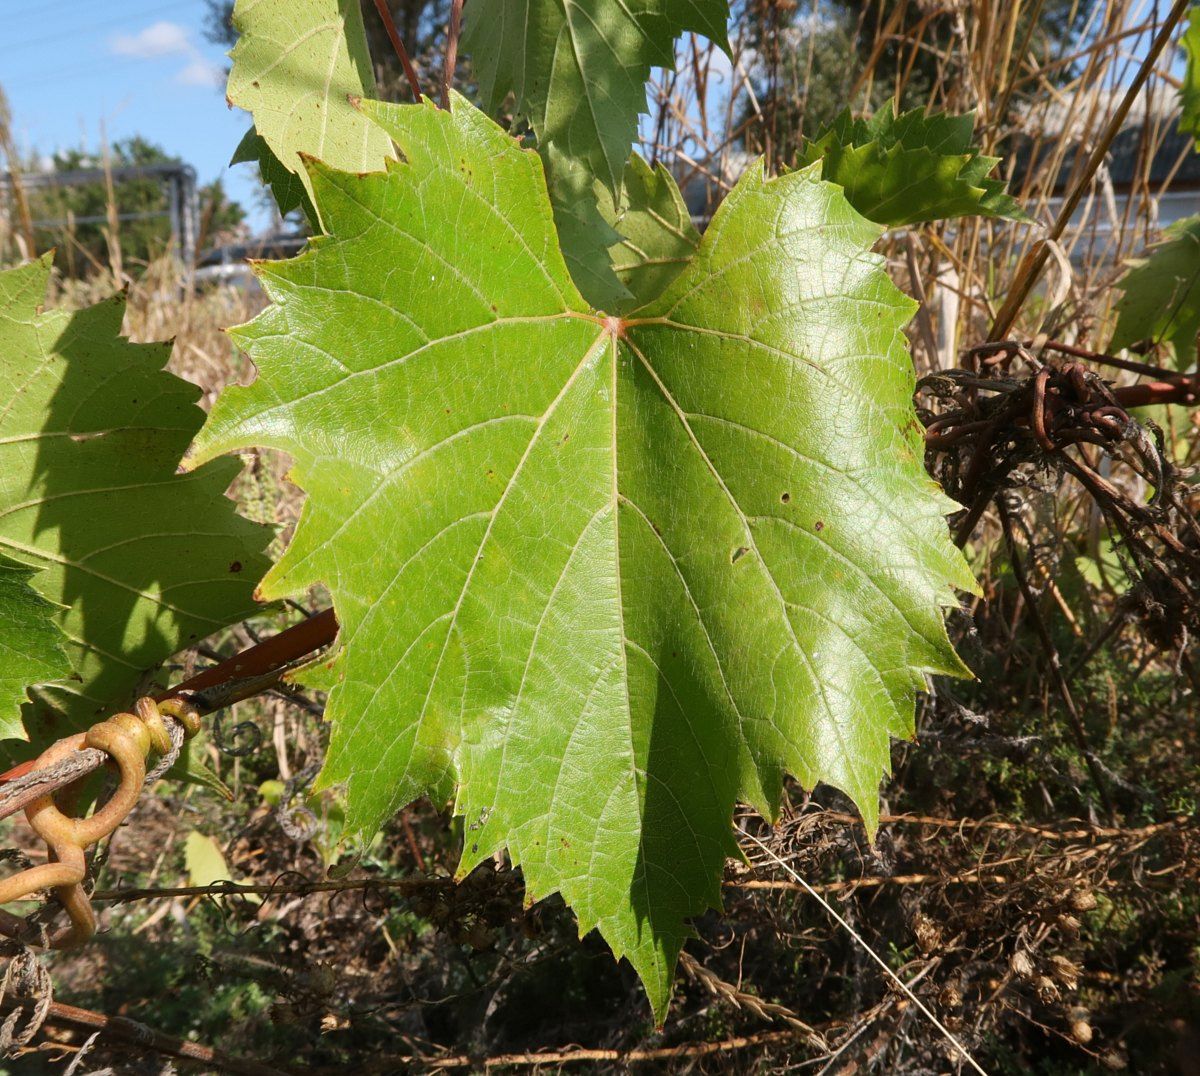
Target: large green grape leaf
[
  {"x": 1189, "y": 89},
  {"x": 578, "y": 68},
  {"x": 296, "y": 66},
  {"x": 1161, "y": 300},
  {"x": 598, "y": 578},
  {"x": 31, "y": 645},
  {"x": 143, "y": 561},
  {"x": 907, "y": 168}
]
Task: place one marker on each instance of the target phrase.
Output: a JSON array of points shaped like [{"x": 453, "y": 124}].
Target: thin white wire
[{"x": 873, "y": 955}]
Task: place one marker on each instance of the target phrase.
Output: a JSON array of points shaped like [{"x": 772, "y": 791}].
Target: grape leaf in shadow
[{"x": 142, "y": 560}]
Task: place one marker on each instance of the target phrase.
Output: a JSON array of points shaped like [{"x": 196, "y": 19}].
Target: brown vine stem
[
  {"x": 389, "y": 24},
  {"x": 1102, "y": 359},
  {"x": 247, "y": 673},
  {"x": 975, "y": 877},
  {"x": 421, "y": 884},
  {"x": 276, "y": 889},
  {"x": 1184, "y": 391},
  {"x": 132, "y": 1033},
  {"x": 455, "y": 29},
  {"x": 1083, "y": 833},
  {"x": 1034, "y": 262},
  {"x": 568, "y": 1057}
]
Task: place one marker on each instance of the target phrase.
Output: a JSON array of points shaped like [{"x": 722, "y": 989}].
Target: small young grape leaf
[
  {"x": 206, "y": 864},
  {"x": 204, "y": 860},
  {"x": 287, "y": 188},
  {"x": 31, "y": 644},
  {"x": 578, "y": 71},
  {"x": 141, "y": 561},
  {"x": 657, "y": 236},
  {"x": 295, "y": 67},
  {"x": 902, "y": 169},
  {"x": 1161, "y": 300},
  {"x": 598, "y": 578},
  {"x": 1189, "y": 90}
]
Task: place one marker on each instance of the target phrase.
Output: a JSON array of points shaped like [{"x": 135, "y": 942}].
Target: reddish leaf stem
[
  {"x": 389, "y": 25},
  {"x": 456, "y": 7}
]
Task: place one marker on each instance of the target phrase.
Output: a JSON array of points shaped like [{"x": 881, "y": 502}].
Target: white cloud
[
  {"x": 164, "y": 39},
  {"x": 160, "y": 39},
  {"x": 201, "y": 73}
]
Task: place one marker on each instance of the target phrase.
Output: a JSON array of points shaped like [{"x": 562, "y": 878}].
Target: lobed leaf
[
  {"x": 1161, "y": 300},
  {"x": 656, "y": 236},
  {"x": 907, "y": 168},
  {"x": 296, "y": 66},
  {"x": 578, "y": 68},
  {"x": 598, "y": 578},
  {"x": 623, "y": 254},
  {"x": 141, "y": 561}
]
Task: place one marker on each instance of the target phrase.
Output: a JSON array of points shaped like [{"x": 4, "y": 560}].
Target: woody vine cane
[
  {"x": 128, "y": 739},
  {"x": 48, "y": 786}
]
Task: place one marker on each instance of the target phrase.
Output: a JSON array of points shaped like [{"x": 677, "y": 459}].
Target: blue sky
[{"x": 133, "y": 66}]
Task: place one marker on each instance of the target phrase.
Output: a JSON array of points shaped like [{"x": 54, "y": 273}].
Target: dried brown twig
[{"x": 132, "y": 1033}]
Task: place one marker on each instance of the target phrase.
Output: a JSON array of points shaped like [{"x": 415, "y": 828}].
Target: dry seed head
[
  {"x": 1021, "y": 964},
  {"x": 1068, "y": 924},
  {"x": 1081, "y": 1031},
  {"x": 1083, "y": 901},
  {"x": 1046, "y": 988},
  {"x": 927, "y": 932},
  {"x": 323, "y": 980},
  {"x": 1064, "y": 971},
  {"x": 950, "y": 997}
]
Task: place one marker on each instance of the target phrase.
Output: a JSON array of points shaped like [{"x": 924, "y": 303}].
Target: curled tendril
[
  {"x": 297, "y": 820},
  {"x": 128, "y": 738},
  {"x": 238, "y": 740}
]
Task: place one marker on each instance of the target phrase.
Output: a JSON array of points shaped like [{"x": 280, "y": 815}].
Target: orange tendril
[{"x": 128, "y": 739}]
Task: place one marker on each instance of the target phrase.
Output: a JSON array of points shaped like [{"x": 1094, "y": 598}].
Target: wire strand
[{"x": 873, "y": 955}]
